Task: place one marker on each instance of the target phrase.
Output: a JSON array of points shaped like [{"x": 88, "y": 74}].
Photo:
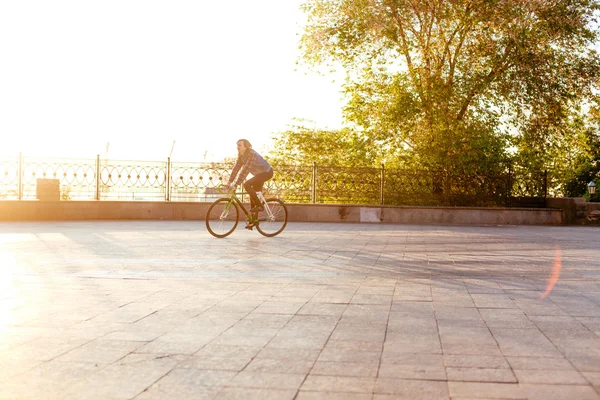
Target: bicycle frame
[{"x": 234, "y": 199}]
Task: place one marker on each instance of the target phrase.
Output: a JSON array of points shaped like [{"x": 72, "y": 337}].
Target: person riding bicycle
[{"x": 249, "y": 161}]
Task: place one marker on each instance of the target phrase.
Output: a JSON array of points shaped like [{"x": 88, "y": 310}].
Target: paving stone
[
  {"x": 479, "y": 390},
  {"x": 458, "y": 324},
  {"x": 554, "y": 377},
  {"x": 400, "y": 312},
  {"x": 584, "y": 359},
  {"x": 126, "y": 380},
  {"x": 494, "y": 300},
  {"x": 344, "y": 369},
  {"x": 593, "y": 378},
  {"x": 289, "y": 353},
  {"x": 269, "y": 380},
  {"x": 275, "y": 307},
  {"x": 240, "y": 339},
  {"x": 46, "y": 381},
  {"x": 100, "y": 351},
  {"x": 216, "y": 350},
  {"x": 234, "y": 363},
  {"x": 255, "y": 394},
  {"x": 339, "y": 384},
  {"x": 443, "y": 311},
  {"x": 358, "y": 333},
  {"x": 525, "y": 342},
  {"x": 175, "y": 344},
  {"x": 43, "y": 349},
  {"x": 478, "y": 361},
  {"x": 412, "y": 325},
  {"x": 322, "y": 309},
  {"x": 296, "y": 341},
  {"x": 466, "y": 348},
  {"x": 411, "y": 389},
  {"x": 499, "y": 375},
  {"x": 345, "y": 345},
  {"x": 349, "y": 355},
  {"x": 133, "y": 336},
  {"x": 559, "y": 392},
  {"x": 539, "y": 363},
  {"x": 304, "y": 395},
  {"x": 407, "y": 371},
  {"x": 278, "y": 365}
]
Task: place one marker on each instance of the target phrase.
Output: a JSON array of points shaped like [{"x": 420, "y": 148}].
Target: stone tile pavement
[{"x": 162, "y": 310}]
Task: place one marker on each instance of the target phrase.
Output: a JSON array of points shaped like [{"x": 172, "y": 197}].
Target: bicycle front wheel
[
  {"x": 222, "y": 218},
  {"x": 273, "y": 219}
]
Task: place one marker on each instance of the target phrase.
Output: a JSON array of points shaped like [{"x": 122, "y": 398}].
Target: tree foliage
[
  {"x": 585, "y": 161},
  {"x": 459, "y": 84},
  {"x": 302, "y": 145}
]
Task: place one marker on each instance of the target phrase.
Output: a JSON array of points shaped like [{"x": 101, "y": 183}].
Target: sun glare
[
  {"x": 8, "y": 264},
  {"x": 553, "y": 279},
  {"x": 139, "y": 75}
]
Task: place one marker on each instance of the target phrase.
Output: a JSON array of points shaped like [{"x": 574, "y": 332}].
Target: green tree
[
  {"x": 302, "y": 145},
  {"x": 455, "y": 84},
  {"x": 586, "y": 160}
]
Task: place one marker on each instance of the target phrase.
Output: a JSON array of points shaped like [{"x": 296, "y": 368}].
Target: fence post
[
  {"x": 98, "y": 177},
  {"x": 20, "y": 177},
  {"x": 509, "y": 188},
  {"x": 313, "y": 195},
  {"x": 382, "y": 183},
  {"x": 168, "y": 180}
]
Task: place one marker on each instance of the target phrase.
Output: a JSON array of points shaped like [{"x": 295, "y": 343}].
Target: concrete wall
[
  {"x": 576, "y": 210},
  {"x": 425, "y": 215},
  {"x": 111, "y": 210}
]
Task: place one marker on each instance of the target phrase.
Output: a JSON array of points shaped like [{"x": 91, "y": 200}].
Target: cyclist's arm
[
  {"x": 236, "y": 168},
  {"x": 245, "y": 169}
]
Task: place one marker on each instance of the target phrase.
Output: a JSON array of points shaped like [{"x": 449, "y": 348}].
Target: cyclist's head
[{"x": 242, "y": 145}]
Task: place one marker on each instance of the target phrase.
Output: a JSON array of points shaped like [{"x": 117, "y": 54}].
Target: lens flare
[{"x": 555, "y": 274}]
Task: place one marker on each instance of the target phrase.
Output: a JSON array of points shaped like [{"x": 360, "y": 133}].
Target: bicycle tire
[
  {"x": 221, "y": 225},
  {"x": 272, "y": 226}
]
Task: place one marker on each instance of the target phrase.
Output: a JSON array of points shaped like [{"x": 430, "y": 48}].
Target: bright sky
[{"x": 140, "y": 74}]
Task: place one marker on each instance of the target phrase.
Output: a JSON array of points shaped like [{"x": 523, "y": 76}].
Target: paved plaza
[{"x": 162, "y": 310}]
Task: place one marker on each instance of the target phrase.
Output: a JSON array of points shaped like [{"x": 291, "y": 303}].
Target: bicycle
[{"x": 223, "y": 215}]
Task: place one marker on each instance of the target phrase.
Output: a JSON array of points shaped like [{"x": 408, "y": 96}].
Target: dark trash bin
[{"x": 47, "y": 189}]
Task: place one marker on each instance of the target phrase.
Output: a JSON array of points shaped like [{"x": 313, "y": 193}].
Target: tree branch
[{"x": 489, "y": 78}]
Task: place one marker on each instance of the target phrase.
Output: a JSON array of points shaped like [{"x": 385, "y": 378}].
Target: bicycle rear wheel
[
  {"x": 222, "y": 218},
  {"x": 273, "y": 219}
]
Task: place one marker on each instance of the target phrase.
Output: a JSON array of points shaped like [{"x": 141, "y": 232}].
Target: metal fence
[{"x": 101, "y": 179}]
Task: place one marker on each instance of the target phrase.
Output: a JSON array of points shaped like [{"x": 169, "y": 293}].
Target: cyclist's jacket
[{"x": 251, "y": 162}]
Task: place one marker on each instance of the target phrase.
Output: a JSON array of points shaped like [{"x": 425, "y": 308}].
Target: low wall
[
  {"x": 112, "y": 210},
  {"x": 426, "y": 215},
  {"x": 576, "y": 210}
]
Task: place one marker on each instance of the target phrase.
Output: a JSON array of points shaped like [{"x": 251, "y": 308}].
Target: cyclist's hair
[{"x": 246, "y": 143}]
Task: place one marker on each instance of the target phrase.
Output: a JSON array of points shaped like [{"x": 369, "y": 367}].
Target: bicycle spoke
[
  {"x": 273, "y": 219},
  {"x": 222, "y": 218}
]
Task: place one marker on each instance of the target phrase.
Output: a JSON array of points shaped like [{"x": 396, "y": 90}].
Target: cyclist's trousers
[{"x": 256, "y": 185}]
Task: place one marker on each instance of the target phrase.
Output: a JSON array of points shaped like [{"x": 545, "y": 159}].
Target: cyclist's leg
[
  {"x": 249, "y": 186},
  {"x": 256, "y": 185}
]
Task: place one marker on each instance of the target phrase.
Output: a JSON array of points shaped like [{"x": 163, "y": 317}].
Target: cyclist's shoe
[
  {"x": 256, "y": 209},
  {"x": 250, "y": 225}
]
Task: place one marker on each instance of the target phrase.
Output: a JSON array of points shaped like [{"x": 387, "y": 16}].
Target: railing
[{"x": 101, "y": 179}]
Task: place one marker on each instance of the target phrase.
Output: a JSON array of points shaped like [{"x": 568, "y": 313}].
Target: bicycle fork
[{"x": 225, "y": 212}]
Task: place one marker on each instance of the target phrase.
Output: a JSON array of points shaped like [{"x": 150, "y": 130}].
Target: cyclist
[{"x": 249, "y": 161}]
